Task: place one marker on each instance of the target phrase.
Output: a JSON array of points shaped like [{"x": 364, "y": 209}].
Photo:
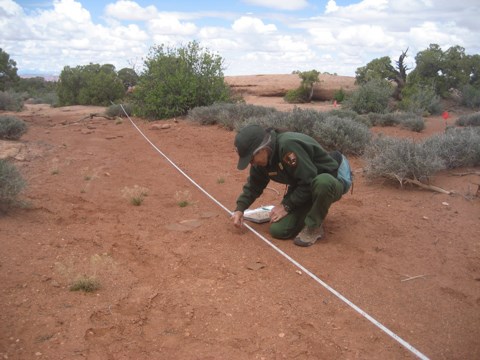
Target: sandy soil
[{"x": 183, "y": 283}]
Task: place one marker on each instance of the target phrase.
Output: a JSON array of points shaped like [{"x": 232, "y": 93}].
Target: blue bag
[{"x": 344, "y": 174}]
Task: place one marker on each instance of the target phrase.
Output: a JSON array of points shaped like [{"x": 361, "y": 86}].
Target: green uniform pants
[{"x": 326, "y": 189}]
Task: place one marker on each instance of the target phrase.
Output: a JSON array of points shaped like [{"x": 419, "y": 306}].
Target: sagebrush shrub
[
  {"x": 410, "y": 121},
  {"x": 116, "y": 110},
  {"x": 11, "y": 182},
  {"x": 343, "y": 134},
  {"x": 400, "y": 159},
  {"x": 457, "y": 147},
  {"x": 227, "y": 114},
  {"x": 11, "y": 128},
  {"x": 469, "y": 120},
  {"x": 10, "y": 101},
  {"x": 333, "y": 132}
]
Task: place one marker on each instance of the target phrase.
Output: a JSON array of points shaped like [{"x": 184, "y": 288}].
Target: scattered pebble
[{"x": 445, "y": 203}]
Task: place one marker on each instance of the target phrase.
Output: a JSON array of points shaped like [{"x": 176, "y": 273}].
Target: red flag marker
[
  {"x": 335, "y": 103},
  {"x": 445, "y": 115}
]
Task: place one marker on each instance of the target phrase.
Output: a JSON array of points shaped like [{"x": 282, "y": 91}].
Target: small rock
[
  {"x": 425, "y": 217},
  {"x": 38, "y": 353},
  {"x": 160, "y": 126},
  {"x": 445, "y": 203},
  {"x": 282, "y": 335}
]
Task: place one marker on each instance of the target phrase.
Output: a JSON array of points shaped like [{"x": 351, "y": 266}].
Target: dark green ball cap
[{"x": 247, "y": 141}]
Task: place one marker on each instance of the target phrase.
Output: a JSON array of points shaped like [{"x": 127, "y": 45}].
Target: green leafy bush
[
  {"x": 10, "y": 101},
  {"x": 470, "y": 96},
  {"x": 91, "y": 84},
  {"x": 372, "y": 96},
  {"x": 297, "y": 96},
  {"x": 469, "y": 120},
  {"x": 11, "y": 128},
  {"x": 420, "y": 99},
  {"x": 11, "y": 182},
  {"x": 176, "y": 80},
  {"x": 339, "y": 95},
  {"x": 304, "y": 93}
]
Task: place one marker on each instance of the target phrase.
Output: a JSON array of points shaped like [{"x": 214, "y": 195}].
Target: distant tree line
[{"x": 175, "y": 80}]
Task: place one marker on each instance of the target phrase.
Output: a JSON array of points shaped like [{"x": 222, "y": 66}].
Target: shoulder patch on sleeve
[{"x": 290, "y": 159}]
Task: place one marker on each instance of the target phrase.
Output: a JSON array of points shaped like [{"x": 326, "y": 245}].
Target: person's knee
[
  {"x": 324, "y": 186},
  {"x": 280, "y": 232}
]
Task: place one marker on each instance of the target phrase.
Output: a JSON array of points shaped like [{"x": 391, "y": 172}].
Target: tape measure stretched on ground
[{"x": 387, "y": 331}]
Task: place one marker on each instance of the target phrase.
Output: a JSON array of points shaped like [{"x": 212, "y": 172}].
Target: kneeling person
[{"x": 298, "y": 161}]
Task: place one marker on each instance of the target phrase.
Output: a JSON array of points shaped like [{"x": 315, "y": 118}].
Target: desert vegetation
[{"x": 189, "y": 80}]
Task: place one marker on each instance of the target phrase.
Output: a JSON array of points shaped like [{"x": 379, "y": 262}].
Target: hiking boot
[{"x": 309, "y": 236}]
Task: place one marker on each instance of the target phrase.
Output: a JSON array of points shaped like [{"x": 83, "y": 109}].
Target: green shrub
[
  {"x": 400, "y": 159},
  {"x": 91, "y": 84},
  {"x": 11, "y": 128},
  {"x": 304, "y": 93},
  {"x": 11, "y": 182},
  {"x": 469, "y": 120},
  {"x": 10, "y": 101},
  {"x": 470, "y": 96},
  {"x": 297, "y": 96},
  {"x": 339, "y": 95},
  {"x": 420, "y": 100},
  {"x": 116, "y": 110},
  {"x": 373, "y": 96},
  {"x": 50, "y": 98},
  {"x": 457, "y": 147},
  {"x": 176, "y": 80}
]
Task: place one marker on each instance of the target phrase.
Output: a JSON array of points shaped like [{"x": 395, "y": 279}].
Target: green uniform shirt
[{"x": 296, "y": 160}]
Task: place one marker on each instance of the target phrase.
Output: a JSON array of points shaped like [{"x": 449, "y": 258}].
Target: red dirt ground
[{"x": 183, "y": 283}]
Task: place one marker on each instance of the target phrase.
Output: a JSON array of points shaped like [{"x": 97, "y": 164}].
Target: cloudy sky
[{"x": 252, "y": 36}]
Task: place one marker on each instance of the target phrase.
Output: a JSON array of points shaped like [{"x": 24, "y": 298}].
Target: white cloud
[
  {"x": 365, "y": 36},
  {"x": 9, "y": 9},
  {"x": 169, "y": 25},
  {"x": 280, "y": 5},
  {"x": 247, "y": 24},
  {"x": 337, "y": 39},
  {"x": 130, "y": 10}
]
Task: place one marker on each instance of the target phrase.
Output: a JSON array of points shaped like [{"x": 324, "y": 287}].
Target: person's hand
[
  {"x": 278, "y": 213},
  {"x": 237, "y": 218}
]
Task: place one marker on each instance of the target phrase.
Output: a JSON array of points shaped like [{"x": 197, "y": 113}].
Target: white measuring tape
[{"x": 382, "y": 327}]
